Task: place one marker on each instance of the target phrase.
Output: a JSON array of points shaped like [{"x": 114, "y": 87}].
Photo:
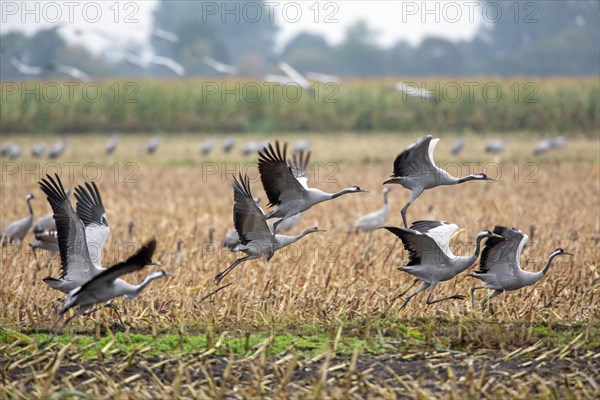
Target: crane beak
[
  {"x": 154, "y": 263},
  {"x": 497, "y": 236},
  {"x": 169, "y": 275},
  {"x": 569, "y": 254},
  {"x": 389, "y": 181}
]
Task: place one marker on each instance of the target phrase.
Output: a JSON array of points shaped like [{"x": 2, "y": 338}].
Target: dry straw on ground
[{"x": 340, "y": 288}]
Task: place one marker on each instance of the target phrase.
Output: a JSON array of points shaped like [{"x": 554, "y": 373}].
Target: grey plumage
[
  {"x": 38, "y": 149},
  {"x": 76, "y": 264},
  {"x": 500, "y": 267},
  {"x": 228, "y": 144},
  {"x": 430, "y": 258},
  {"x": 93, "y": 215},
  {"x": 287, "y": 191},
  {"x": 495, "y": 146},
  {"x": 111, "y": 144},
  {"x": 375, "y": 219},
  {"x": 16, "y": 231},
  {"x": 256, "y": 238},
  {"x": 458, "y": 146},
  {"x": 107, "y": 285},
  {"x": 58, "y": 149},
  {"x": 415, "y": 169}
]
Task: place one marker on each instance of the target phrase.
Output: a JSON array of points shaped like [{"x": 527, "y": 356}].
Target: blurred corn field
[{"x": 560, "y": 105}]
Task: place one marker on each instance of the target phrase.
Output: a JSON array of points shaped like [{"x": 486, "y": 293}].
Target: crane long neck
[
  {"x": 137, "y": 289},
  {"x": 341, "y": 193},
  {"x": 285, "y": 240},
  {"x": 475, "y": 254},
  {"x": 466, "y": 179},
  {"x": 548, "y": 263},
  {"x": 29, "y": 205}
]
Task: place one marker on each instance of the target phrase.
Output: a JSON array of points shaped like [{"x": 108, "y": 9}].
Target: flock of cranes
[
  {"x": 80, "y": 234},
  {"x": 13, "y": 151}
]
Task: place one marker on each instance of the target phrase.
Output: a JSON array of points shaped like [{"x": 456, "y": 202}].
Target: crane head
[{"x": 559, "y": 251}]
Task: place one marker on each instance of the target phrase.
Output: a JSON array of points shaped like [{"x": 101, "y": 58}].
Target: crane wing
[
  {"x": 294, "y": 75},
  {"x": 421, "y": 248},
  {"x": 276, "y": 176},
  {"x": 299, "y": 166},
  {"x": 501, "y": 257},
  {"x": 134, "y": 263},
  {"x": 91, "y": 211},
  {"x": 248, "y": 219},
  {"x": 440, "y": 231},
  {"x": 417, "y": 159},
  {"x": 74, "y": 255}
]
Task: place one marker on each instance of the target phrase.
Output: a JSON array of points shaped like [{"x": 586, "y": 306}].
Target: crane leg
[
  {"x": 496, "y": 293},
  {"x": 221, "y": 275},
  {"x": 424, "y": 286},
  {"x": 59, "y": 330},
  {"x": 429, "y": 301},
  {"x": 403, "y": 212},
  {"x": 473, "y": 289}
]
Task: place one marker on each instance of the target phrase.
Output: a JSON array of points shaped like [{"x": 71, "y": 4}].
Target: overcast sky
[{"x": 393, "y": 20}]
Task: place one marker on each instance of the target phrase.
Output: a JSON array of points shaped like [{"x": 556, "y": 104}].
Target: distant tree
[
  {"x": 229, "y": 31},
  {"x": 12, "y": 44},
  {"x": 359, "y": 53},
  {"x": 436, "y": 56},
  {"x": 308, "y": 51}
]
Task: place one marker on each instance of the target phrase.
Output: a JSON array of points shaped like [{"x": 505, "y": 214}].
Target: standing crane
[
  {"x": 375, "y": 219},
  {"x": 500, "y": 268},
  {"x": 153, "y": 144},
  {"x": 58, "y": 149},
  {"x": 111, "y": 144},
  {"x": 458, "y": 145},
  {"x": 256, "y": 238},
  {"x": 430, "y": 259},
  {"x": 16, "y": 231},
  {"x": 286, "y": 190},
  {"x": 415, "y": 169}
]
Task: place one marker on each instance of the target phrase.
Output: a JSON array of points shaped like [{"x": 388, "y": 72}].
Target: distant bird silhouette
[
  {"x": 220, "y": 67},
  {"x": 111, "y": 144},
  {"x": 375, "y": 219},
  {"x": 323, "y": 78},
  {"x": 16, "y": 231},
  {"x": 147, "y": 60},
  {"x": 58, "y": 149},
  {"x": 228, "y": 144},
  {"x": 25, "y": 69},
  {"x": 70, "y": 71},
  {"x": 458, "y": 146},
  {"x": 415, "y": 91},
  {"x": 153, "y": 144},
  {"x": 296, "y": 77},
  {"x": 38, "y": 149},
  {"x": 495, "y": 146}
]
